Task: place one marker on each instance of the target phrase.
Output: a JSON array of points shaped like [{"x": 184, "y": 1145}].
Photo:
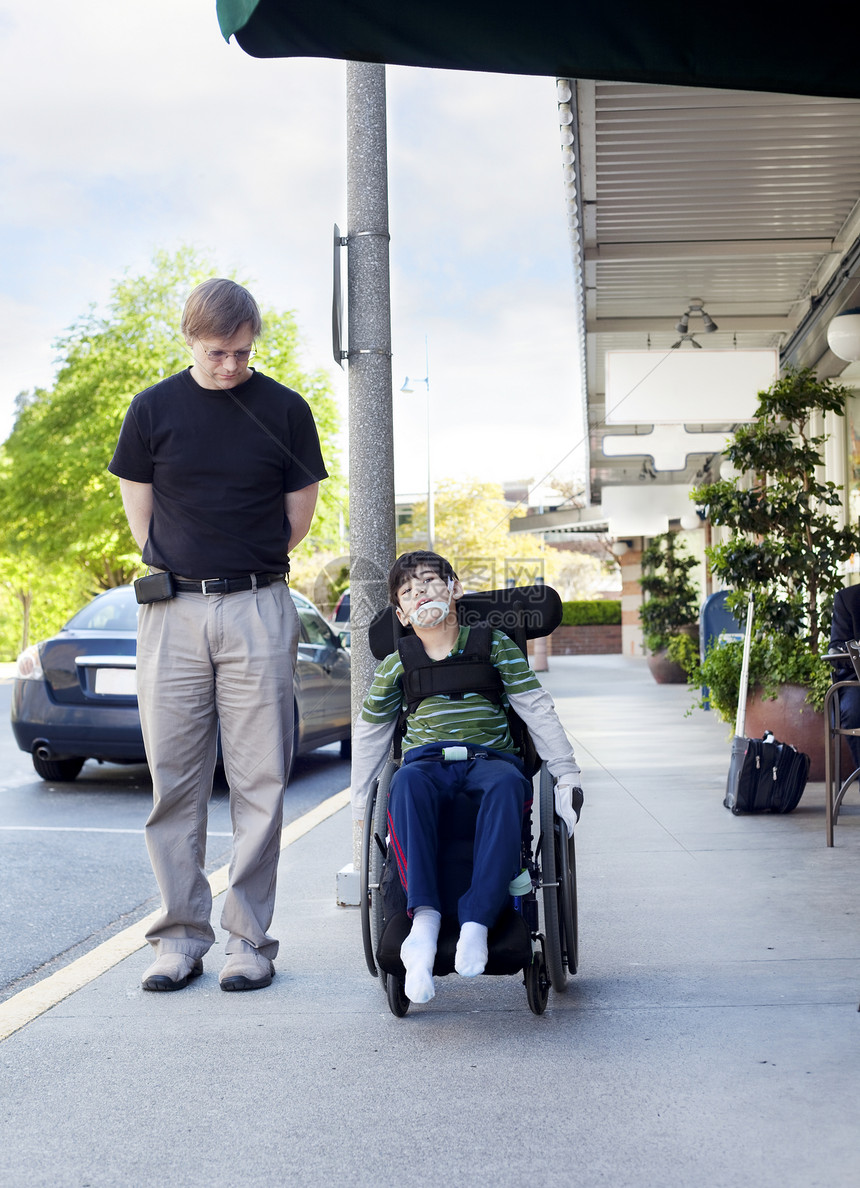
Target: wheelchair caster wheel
[
  {"x": 537, "y": 984},
  {"x": 395, "y": 990}
]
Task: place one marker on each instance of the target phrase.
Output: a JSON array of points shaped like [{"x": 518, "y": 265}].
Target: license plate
[{"x": 121, "y": 682}]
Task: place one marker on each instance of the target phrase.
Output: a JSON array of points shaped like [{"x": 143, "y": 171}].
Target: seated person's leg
[
  {"x": 418, "y": 952},
  {"x": 417, "y": 791},
  {"x": 498, "y": 834},
  {"x": 849, "y": 718}
]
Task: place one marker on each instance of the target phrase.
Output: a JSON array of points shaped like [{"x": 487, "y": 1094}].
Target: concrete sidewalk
[{"x": 710, "y": 1038}]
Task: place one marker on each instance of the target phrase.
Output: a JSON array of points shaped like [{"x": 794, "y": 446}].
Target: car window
[
  {"x": 115, "y": 610},
  {"x": 341, "y": 613},
  {"x": 315, "y": 629}
]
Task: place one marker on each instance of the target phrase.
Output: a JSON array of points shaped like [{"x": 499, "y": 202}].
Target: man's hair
[
  {"x": 217, "y": 308},
  {"x": 407, "y": 565}
]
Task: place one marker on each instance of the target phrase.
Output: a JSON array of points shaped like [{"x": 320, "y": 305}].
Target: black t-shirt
[{"x": 218, "y": 478}]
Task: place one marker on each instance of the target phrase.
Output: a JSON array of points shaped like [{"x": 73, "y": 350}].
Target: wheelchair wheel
[
  {"x": 366, "y": 896},
  {"x": 372, "y": 858},
  {"x": 537, "y": 983},
  {"x": 395, "y": 990},
  {"x": 571, "y": 912},
  {"x": 558, "y": 866}
]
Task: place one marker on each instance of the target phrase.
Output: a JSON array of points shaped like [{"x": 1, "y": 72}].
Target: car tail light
[{"x": 29, "y": 666}]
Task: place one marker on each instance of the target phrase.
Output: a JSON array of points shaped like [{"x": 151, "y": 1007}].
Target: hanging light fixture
[
  {"x": 843, "y": 335},
  {"x": 696, "y": 308}
]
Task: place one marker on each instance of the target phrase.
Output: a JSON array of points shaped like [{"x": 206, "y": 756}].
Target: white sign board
[
  {"x": 686, "y": 386},
  {"x": 644, "y": 510},
  {"x": 669, "y": 445}
]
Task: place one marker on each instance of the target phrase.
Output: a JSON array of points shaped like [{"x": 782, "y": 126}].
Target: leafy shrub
[
  {"x": 684, "y": 650},
  {"x": 587, "y": 612},
  {"x": 774, "y": 661}
]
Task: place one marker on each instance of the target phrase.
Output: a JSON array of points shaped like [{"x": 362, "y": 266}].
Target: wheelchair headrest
[{"x": 523, "y": 613}]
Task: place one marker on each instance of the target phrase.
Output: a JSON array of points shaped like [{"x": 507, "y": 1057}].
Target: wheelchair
[{"x": 537, "y": 934}]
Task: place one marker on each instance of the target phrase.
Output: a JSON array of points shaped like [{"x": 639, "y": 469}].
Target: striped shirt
[{"x": 472, "y": 719}]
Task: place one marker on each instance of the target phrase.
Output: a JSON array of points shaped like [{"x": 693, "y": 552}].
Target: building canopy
[{"x": 753, "y": 47}]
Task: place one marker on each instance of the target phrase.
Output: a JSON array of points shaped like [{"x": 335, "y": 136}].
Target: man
[
  {"x": 219, "y": 468},
  {"x": 845, "y": 625}
]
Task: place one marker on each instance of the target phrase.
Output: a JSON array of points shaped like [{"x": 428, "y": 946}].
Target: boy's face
[{"x": 425, "y": 585}]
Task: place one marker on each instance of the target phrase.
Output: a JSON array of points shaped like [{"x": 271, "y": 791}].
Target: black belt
[
  {"x": 454, "y": 753},
  {"x": 227, "y": 585}
]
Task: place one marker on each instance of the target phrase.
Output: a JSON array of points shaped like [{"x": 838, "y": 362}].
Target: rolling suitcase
[
  {"x": 764, "y": 775},
  {"x": 771, "y": 777}
]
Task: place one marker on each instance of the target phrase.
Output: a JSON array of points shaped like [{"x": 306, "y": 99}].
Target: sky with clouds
[{"x": 131, "y": 127}]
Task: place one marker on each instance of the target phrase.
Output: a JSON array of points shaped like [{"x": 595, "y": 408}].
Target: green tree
[
  {"x": 34, "y": 603},
  {"x": 786, "y": 543},
  {"x": 673, "y": 600},
  {"x": 58, "y": 503},
  {"x": 471, "y": 530},
  {"x": 278, "y": 355}
]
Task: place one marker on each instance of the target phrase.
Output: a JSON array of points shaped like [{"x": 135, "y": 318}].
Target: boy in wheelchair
[{"x": 455, "y": 744}]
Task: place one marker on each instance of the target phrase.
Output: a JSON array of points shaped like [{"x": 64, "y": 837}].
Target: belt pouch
[{"x": 155, "y": 587}]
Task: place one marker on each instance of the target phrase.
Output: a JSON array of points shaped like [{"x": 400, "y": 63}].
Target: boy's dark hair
[{"x": 408, "y": 564}]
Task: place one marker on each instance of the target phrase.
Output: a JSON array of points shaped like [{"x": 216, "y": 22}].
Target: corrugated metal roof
[{"x": 747, "y": 201}]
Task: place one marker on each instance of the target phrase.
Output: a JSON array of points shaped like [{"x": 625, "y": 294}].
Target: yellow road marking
[{"x": 27, "y": 1005}]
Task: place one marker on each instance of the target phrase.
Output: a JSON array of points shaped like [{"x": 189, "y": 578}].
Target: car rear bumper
[{"x": 93, "y": 732}]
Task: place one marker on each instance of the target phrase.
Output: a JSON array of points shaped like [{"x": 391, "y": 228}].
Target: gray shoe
[
  {"x": 246, "y": 970},
  {"x": 172, "y": 971}
]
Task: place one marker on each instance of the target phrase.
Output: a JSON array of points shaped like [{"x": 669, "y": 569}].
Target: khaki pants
[{"x": 204, "y": 660}]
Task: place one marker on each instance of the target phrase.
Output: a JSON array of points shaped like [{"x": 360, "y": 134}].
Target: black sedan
[{"x": 75, "y": 695}]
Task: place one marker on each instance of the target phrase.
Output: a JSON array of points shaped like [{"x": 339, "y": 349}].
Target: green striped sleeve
[
  {"x": 513, "y": 666},
  {"x": 385, "y": 696}
]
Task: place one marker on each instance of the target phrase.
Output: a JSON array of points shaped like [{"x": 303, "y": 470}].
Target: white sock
[
  {"x": 472, "y": 951},
  {"x": 418, "y": 952}
]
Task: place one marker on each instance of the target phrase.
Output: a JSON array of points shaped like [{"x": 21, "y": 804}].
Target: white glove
[{"x": 568, "y": 802}]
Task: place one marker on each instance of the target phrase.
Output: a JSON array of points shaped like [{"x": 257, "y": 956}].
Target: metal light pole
[
  {"x": 431, "y": 516},
  {"x": 371, "y": 438},
  {"x": 371, "y": 435}
]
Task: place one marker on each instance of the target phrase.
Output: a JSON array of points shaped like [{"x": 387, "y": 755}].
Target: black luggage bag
[{"x": 765, "y": 776}]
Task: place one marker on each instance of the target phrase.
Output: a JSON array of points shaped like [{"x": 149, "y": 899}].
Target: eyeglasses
[{"x": 219, "y": 356}]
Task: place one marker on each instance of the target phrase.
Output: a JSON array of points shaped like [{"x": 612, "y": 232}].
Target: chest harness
[{"x": 470, "y": 671}]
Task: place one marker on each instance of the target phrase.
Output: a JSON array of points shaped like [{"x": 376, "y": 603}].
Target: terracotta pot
[
  {"x": 666, "y": 671},
  {"x": 793, "y": 720}
]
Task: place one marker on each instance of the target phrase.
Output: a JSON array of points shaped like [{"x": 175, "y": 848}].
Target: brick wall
[{"x": 591, "y": 640}]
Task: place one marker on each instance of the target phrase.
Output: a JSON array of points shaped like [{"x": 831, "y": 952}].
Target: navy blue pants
[
  {"x": 849, "y": 718},
  {"x": 420, "y": 792}
]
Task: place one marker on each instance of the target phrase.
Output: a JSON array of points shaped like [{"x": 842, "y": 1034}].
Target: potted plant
[
  {"x": 670, "y": 613},
  {"x": 786, "y": 546}
]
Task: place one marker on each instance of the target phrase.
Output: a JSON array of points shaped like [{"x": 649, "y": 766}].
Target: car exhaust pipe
[{"x": 42, "y": 750}]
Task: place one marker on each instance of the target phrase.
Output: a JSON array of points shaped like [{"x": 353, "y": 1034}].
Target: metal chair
[{"x": 834, "y": 786}]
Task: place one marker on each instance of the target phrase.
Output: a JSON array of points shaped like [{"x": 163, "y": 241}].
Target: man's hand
[{"x": 568, "y": 803}]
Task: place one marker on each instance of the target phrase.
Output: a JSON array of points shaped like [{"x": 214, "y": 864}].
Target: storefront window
[
  {"x": 852, "y": 472},
  {"x": 852, "y": 427}
]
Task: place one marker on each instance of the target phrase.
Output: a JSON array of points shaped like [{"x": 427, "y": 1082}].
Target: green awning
[{"x": 745, "y": 46}]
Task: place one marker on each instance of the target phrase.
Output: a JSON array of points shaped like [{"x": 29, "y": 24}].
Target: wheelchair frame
[{"x": 550, "y": 861}]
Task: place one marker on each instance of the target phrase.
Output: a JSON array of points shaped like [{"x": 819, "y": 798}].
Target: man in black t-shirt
[{"x": 219, "y": 469}]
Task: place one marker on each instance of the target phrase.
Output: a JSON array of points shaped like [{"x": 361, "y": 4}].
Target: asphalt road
[{"x": 73, "y": 864}]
